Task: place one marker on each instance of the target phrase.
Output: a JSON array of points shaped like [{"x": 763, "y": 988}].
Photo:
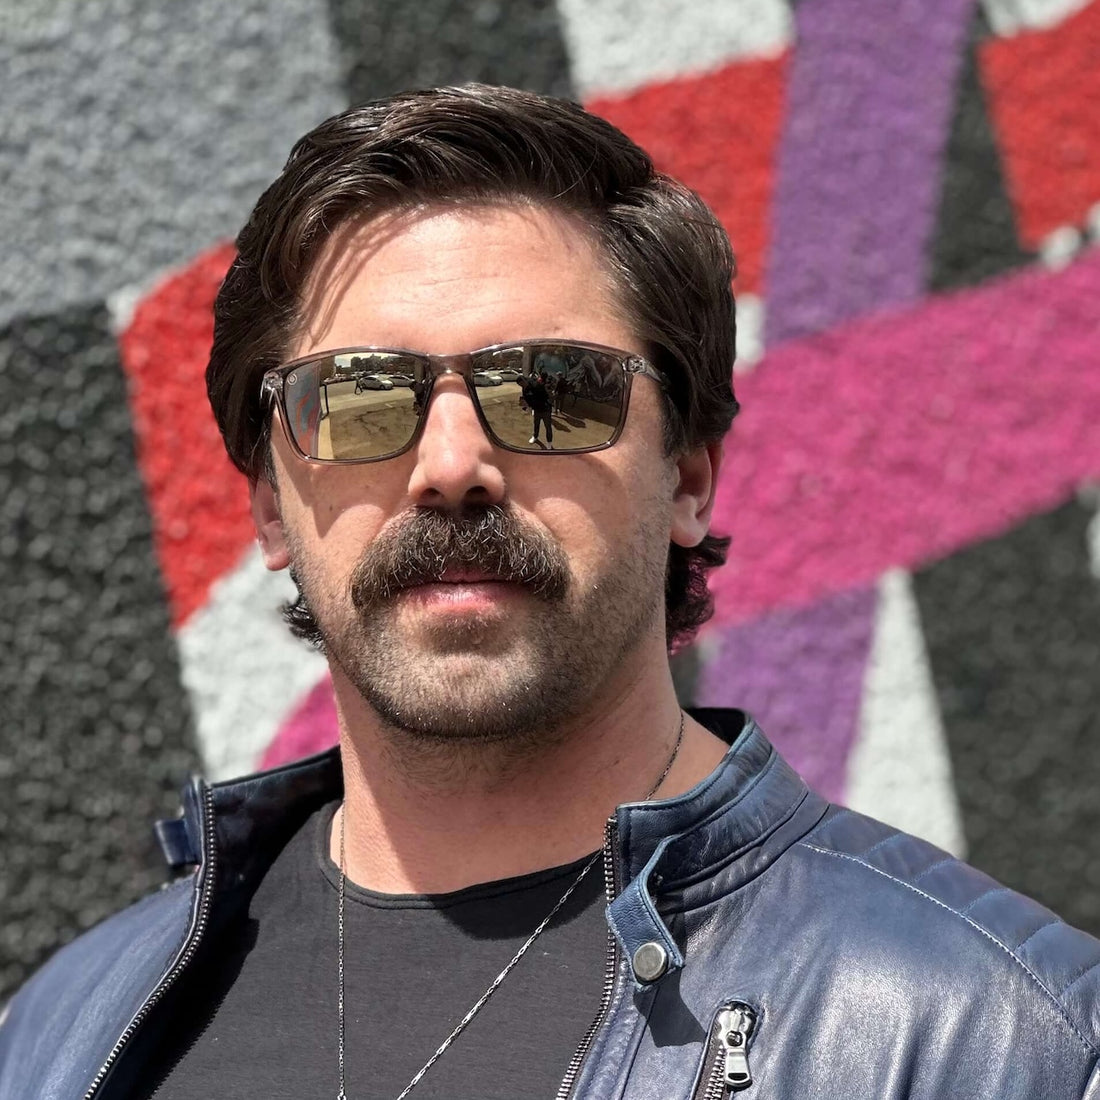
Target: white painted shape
[
  {"x": 1059, "y": 246},
  {"x": 619, "y": 45},
  {"x": 750, "y": 332},
  {"x": 1093, "y": 536},
  {"x": 1090, "y": 497},
  {"x": 1092, "y": 222},
  {"x": 900, "y": 769},
  {"x": 1013, "y": 16},
  {"x": 122, "y": 303},
  {"x": 243, "y": 669}
]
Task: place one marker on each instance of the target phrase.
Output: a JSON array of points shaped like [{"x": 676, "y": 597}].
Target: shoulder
[
  {"x": 934, "y": 921},
  {"x": 132, "y": 933},
  {"x": 90, "y": 988}
]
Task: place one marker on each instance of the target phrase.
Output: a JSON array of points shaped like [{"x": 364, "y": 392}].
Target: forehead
[{"x": 447, "y": 279}]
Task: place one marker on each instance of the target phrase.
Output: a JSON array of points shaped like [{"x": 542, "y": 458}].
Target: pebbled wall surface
[{"x": 912, "y": 604}]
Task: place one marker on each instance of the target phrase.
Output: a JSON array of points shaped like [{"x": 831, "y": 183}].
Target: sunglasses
[{"x": 369, "y": 404}]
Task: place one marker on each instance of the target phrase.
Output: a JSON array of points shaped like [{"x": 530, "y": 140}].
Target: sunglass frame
[{"x": 273, "y": 389}]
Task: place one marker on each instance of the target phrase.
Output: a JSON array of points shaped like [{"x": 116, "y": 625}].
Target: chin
[
  {"x": 463, "y": 685},
  {"x": 499, "y": 677},
  {"x": 464, "y": 704}
]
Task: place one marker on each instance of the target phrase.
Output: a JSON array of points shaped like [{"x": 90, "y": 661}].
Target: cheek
[
  {"x": 323, "y": 502},
  {"x": 607, "y": 517},
  {"x": 327, "y": 535},
  {"x": 583, "y": 534}
]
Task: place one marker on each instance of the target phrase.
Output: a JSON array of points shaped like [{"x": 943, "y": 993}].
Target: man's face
[{"x": 469, "y": 655}]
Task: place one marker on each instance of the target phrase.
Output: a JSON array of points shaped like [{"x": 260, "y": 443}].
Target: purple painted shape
[
  {"x": 869, "y": 103},
  {"x": 311, "y": 728},
  {"x": 869, "y": 106},
  {"x": 799, "y": 673}
]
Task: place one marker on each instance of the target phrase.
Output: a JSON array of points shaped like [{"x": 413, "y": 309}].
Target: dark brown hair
[{"x": 669, "y": 257}]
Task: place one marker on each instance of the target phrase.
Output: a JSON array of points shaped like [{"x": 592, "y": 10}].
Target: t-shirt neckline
[{"x": 480, "y": 891}]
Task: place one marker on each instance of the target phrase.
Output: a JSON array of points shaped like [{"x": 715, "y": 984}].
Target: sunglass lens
[
  {"x": 543, "y": 395},
  {"x": 357, "y": 406}
]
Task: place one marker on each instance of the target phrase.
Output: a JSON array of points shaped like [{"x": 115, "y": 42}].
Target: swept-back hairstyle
[{"x": 668, "y": 257}]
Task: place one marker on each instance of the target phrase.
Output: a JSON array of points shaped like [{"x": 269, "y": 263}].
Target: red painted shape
[
  {"x": 718, "y": 133},
  {"x": 903, "y": 436},
  {"x": 198, "y": 500},
  {"x": 1044, "y": 97}
]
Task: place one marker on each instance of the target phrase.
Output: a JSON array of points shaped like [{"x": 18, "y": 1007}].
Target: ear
[
  {"x": 693, "y": 500},
  {"x": 269, "y": 523}
]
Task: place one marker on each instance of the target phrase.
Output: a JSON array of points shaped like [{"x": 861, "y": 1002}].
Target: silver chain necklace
[{"x": 479, "y": 1004}]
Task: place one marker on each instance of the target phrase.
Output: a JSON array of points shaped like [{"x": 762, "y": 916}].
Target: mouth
[
  {"x": 483, "y": 554},
  {"x": 468, "y": 576},
  {"x": 463, "y": 592}
]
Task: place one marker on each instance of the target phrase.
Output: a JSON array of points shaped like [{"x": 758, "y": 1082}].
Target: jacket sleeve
[{"x": 59, "y": 1029}]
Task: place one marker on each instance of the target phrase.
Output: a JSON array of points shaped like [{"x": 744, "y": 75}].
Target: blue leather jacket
[{"x": 763, "y": 944}]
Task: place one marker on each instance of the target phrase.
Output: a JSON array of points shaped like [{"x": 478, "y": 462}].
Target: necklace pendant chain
[{"x": 479, "y": 1004}]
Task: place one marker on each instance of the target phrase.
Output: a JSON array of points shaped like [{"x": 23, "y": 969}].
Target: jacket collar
[
  {"x": 667, "y": 855},
  {"x": 750, "y": 792},
  {"x": 683, "y": 852}
]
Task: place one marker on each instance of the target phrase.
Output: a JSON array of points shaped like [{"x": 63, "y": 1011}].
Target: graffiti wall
[{"x": 912, "y": 604}]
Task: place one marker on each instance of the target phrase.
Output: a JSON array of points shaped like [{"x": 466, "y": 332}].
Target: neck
[{"x": 433, "y": 818}]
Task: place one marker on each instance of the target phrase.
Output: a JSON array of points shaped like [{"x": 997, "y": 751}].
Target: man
[
  {"x": 423, "y": 912},
  {"x": 561, "y": 390},
  {"x": 535, "y": 392}
]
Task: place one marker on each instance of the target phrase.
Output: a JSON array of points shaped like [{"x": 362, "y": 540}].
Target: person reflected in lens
[
  {"x": 419, "y": 389},
  {"x": 561, "y": 391},
  {"x": 536, "y": 396}
]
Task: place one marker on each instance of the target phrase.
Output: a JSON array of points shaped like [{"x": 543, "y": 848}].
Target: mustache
[{"x": 429, "y": 543}]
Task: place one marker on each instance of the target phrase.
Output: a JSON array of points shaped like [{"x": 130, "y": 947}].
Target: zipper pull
[{"x": 734, "y": 1028}]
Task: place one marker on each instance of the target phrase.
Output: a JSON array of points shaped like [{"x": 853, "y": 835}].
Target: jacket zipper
[
  {"x": 729, "y": 1043},
  {"x": 183, "y": 958},
  {"x": 611, "y": 967}
]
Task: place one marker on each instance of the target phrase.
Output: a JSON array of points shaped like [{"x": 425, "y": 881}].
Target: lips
[
  {"x": 458, "y": 584},
  {"x": 466, "y": 576},
  {"x": 462, "y": 591}
]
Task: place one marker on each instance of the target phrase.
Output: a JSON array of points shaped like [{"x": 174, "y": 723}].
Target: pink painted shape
[
  {"x": 903, "y": 436},
  {"x": 310, "y": 728}
]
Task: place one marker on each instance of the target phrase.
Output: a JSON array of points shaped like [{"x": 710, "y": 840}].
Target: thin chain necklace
[{"x": 479, "y": 1004}]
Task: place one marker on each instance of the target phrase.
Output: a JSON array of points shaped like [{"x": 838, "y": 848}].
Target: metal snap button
[{"x": 650, "y": 962}]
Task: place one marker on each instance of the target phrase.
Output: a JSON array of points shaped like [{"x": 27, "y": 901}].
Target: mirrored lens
[
  {"x": 359, "y": 405},
  {"x": 542, "y": 395}
]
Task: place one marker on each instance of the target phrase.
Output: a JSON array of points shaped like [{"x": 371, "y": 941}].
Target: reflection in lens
[
  {"x": 355, "y": 406},
  {"x": 580, "y": 391}
]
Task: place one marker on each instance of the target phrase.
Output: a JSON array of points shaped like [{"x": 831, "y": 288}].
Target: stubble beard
[{"x": 474, "y": 680}]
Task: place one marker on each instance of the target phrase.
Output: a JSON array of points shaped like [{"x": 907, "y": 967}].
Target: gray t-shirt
[{"x": 265, "y": 1027}]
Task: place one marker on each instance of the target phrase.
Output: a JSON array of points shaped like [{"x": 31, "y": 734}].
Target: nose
[{"x": 456, "y": 464}]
